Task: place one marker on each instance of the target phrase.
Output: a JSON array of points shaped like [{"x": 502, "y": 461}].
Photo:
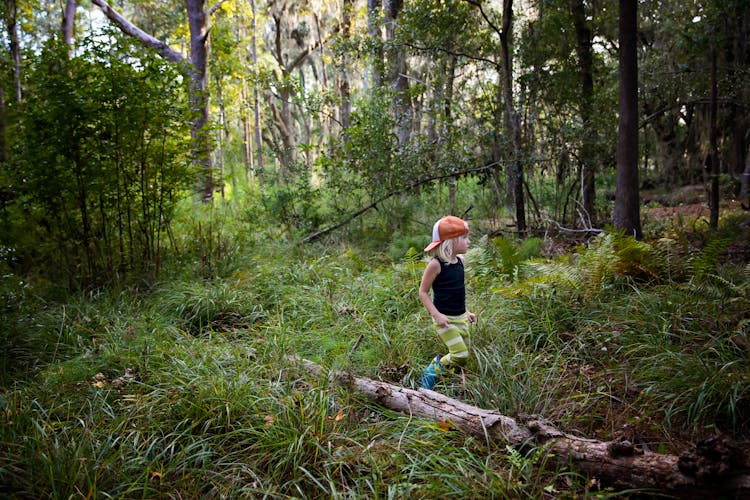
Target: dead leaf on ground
[{"x": 339, "y": 416}]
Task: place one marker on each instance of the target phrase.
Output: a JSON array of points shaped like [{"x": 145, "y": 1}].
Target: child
[{"x": 445, "y": 275}]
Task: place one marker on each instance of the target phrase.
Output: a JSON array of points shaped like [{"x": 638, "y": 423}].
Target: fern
[
  {"x": 707, "y": 260},
  {"x": 597, "y": 264},
  {"x": 413, "y": 255},
  {"x": 637, "y": 259},
  {"x": 509, "y": 254},
  {"x": 541, "y": 274}
]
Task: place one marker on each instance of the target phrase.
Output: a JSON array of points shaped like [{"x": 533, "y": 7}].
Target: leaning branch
[
  {"x": 134, "y": 31},
  {"x": 712, "y": 468},
  {"x": 404, "y": 189}
]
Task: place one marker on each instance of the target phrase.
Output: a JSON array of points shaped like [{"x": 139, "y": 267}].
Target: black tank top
[{"x": 448, "y": 289}]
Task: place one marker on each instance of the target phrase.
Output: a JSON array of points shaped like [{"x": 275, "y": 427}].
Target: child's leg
[{"x": 456, "y": 337}]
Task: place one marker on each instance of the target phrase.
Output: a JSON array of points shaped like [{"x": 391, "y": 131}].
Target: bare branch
[
  {"x": 216, "y": 7},
  {"x": 404, "y": 189},
  {"x": 134, "y": 31}
]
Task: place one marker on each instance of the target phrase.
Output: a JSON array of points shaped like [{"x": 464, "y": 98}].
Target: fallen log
[
  {"x": 404, "y": 189},
  {"x": 711, "y": 468}
]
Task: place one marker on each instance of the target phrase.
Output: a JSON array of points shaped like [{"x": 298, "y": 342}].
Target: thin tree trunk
[
  {"x": 740, "y": 91},
  {"x": 247, "y": 142},
  {"x": 585, "y": 61},
  {"x": 373, "y": 29},
  {"x": 397, "y": 74},
  {"x": 223, "y": 141},
  {"x": 15, "y": 46},
  {"x": 504, "y": 196},
  {"x": 256, "y": 109},
  {"x": 714, "y": 163},
  {"x": 347, "y": 13},
  {"x": 745, "y": 181},
  {"x": 198, "y": 92},
  {"x": 68, "y": 24},
  {"x": 282, "y": 112},
  {"x": 3, "y": 133}
]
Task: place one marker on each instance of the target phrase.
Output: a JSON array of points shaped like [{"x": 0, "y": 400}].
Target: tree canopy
[{"x": 322, "y": 108}]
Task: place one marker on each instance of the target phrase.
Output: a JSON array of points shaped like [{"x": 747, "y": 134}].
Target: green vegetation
[{"x": 182, "y": 387}]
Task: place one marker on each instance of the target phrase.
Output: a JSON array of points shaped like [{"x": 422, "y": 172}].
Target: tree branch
[
  {"x": 404, "y": 189},
  {"x": 453, "y": 53},
  {"x": 132, "y": 30},
  {"x": 478, "y": 4},
  {"x": 214, "y": 8}
]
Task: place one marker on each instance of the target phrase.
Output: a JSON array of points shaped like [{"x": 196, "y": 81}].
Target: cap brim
[{"x": 432, "y": 245}]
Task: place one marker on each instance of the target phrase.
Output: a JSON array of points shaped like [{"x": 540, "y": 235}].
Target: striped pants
[{"x": 456, "y": 337}]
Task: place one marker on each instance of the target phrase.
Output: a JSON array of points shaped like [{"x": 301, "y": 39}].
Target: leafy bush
[{"x": 102, "y": 152}]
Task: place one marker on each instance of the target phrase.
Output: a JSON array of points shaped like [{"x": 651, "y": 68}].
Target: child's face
[{"x": 462, "y": 243}]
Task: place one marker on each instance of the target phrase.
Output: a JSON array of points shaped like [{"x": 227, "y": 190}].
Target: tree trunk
[
  {"x": 586, "y": 64},
  {"x": 256, "y": 108},
  {"x": 244, "y": 118},
  {"x": 198, "y": 93},
  {"x": 739, "y": 89},
  {"x": 712, "y": 468},
  {"x": 282, "y": 112},
  {"x": 347, "y": 13},
  {"x": 502, "y": 195},
  {"x": 396, "y": 74},
  {"x": 745, "y": 182},
  {"x": 15, "y": 46},
  {"x": 3, "y": 138},
  {"x": 512, "y": 117},
  {"x": 282, "y": 115},
  {"x": 247, "y": 138},
  {"x": 373, "y": 29},
  {"x": 713, "y": 164},
  {"x": 627, "y": 206},
  {"x": 68, "y": 23}
]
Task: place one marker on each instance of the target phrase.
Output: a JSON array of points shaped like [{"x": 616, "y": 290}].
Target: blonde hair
[{"x": 444, "y": 251}]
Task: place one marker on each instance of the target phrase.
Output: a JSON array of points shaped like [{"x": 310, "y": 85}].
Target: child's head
[{"x": 444, "y": 233}]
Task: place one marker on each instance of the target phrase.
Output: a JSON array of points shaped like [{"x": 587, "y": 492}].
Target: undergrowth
[{"x": 186, "y": 389}]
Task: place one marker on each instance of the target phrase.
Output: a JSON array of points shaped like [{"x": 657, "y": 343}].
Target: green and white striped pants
[{"x": 456, "y": 337}]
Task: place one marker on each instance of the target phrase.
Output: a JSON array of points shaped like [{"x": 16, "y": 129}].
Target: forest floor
[
  {"x": 682, "y": 214},
  {"x": 687, "y": 208}
]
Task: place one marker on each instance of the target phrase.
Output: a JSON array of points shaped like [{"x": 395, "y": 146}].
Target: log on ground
[{"x": 710, "y": 468}]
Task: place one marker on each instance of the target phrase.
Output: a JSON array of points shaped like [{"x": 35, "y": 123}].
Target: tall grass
[{"x": 183, "y": 390}]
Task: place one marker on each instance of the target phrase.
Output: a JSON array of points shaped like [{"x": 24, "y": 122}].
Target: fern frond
[
  {"x": 413, "y": 255},
  {"x": 557, "y": 274},
  {"x": 597, "y": 264},
  {"x": 707, "y": 260},
  {"x": 638, "y": 259},
  {"x": 510, "y": 257}
]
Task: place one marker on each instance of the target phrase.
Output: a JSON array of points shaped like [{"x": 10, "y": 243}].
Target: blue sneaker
[{"x": 429, "y": 375}]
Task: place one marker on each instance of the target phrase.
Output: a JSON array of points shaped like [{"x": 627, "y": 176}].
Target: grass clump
[{"x": 186, "y": 389}]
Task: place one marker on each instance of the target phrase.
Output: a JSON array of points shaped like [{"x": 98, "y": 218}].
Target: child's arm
[
  {"x": 469, "y": 315},
  {"x": 430, "y": 273}
]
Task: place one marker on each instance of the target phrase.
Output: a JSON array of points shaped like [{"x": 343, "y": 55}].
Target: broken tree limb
[
  {"x": 711, "y": 468},
  {"x": 408, "y": 187}
]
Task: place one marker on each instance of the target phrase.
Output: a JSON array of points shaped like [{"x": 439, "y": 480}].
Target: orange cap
[{"x": 446, "y": 228}]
